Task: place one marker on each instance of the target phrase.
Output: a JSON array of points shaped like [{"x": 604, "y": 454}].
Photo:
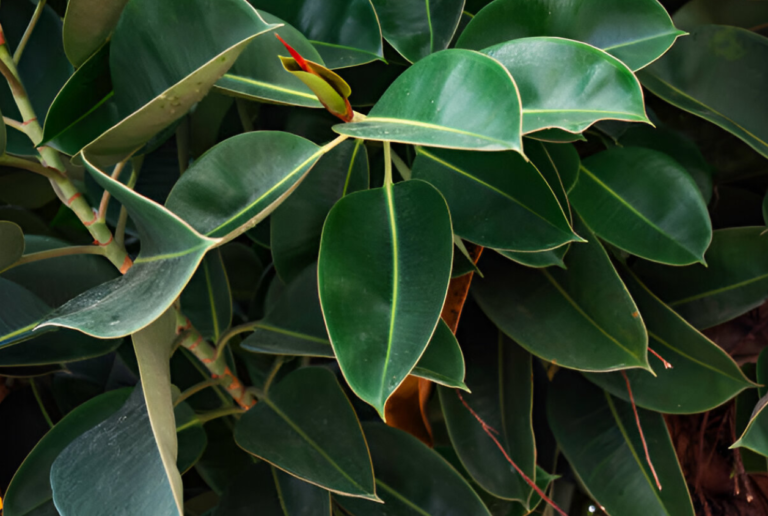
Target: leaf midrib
[
  {"x": 261, "y": 84},
  {"x": 436, "y": 127},
  {"x": 395, "y": 278}
]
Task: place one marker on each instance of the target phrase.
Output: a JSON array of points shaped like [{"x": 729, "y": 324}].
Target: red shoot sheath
[{"x": 300, "y": 60}]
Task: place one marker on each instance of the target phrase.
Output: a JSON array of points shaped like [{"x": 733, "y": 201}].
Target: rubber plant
[{"x": 380, "y": 257}]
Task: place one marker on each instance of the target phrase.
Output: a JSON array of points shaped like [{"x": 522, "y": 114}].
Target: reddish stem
[
  {"x": 490, "y": 431},
  {"x": 667, "y": 365},
  {"x": 640, "y": 429}
]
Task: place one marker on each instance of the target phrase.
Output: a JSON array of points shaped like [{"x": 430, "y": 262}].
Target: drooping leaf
[
  {"x": 306, "y": 426},
  {"x": 11, "y": 244},
  {"x": 500, "y": 377},
  {"x": 417, "y": 28},
  {"x": 170, "y": 252},
  {"x": 258, "y": 74},
  {"x": 43, "y": 68},
  {"x": 207, "y": 300},
  {"x": 599, "y": 437},
  {"x": 411, "y": 479},
  {"x": 154, "y": 83},
  {"x": 240, "y": 181},
  {"x": 637, "y": 33},
  {"x": 29, "y": 493},
  {"x": 345, "y": 33},
  {"x": 734, "y": 282},
  {"x": 716, "y": 73},
  {"x": 300, "y": 498},
  {"x": 454, "y": 98},
  {"x": 252, "y": 490},
  {"x": 618, "y": 197},
  {"x": 115, "y": 464},
  {"x": 738, "y": 13},
  {"x": 153, "y": 346},
  {"x": 87, "y": 25},
  {"x": 442, "y": 361},
  {"x": 676, "y": 146},
  {"x": 385, "y": 263},
  {"x": 297, "y": 224},
  {"x": 496, "y": 199},
  {"x": 702, "y": 377},
  {"x": 592, "y": 322},
  {"x": 550, "y": 72}
]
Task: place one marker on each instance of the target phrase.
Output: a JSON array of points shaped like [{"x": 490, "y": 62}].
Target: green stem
[
  {"x": 276, "y": 365},
  {"x": 13, "y": 123},
  {"x": 195, "y": 389},
  {"x": 221, "y": 345},
  {"x": 28, "y": 32},
  {"x": 215, "y": 414},
  {"x": 401, "y": 167},
  {"x": 31, "y": 166},
  {"x": 40, "y": 402},
  {"x": 387, "y": 163},
  {"x": 55, "y": 253}
]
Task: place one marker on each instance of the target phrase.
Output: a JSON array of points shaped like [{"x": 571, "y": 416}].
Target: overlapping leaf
[
  {"x": 385, "y": 263},
  {"x": 454, "y": 98},
  {"x": 637, "y": 33},
  {"x": 87, "y": 25},
  {"x": 207, "y": 300}
]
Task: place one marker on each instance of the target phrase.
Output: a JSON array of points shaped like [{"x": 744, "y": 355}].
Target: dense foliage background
[{"x": 406, "y": 258}]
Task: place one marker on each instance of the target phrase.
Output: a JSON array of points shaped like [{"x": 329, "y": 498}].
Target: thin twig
[
  {"x": 640, "y": 429},
  {"x": 401, "y": 167},
  {"x": 213, "y": 382},
  {"x": 55, "y": 253},
  {"x": 10, "y": 122},
  {"x": 27, "y": 33},
  {"x": 106, "y": 196},
  {"x": 31, "y": 166},
  {"x": 667, "y": 365},
  {"x": 40, "y": 402},
  {"x": 490, "y": 431},
  {"x": 229, "y": 334},
  {"x": 215, "y": 414}
]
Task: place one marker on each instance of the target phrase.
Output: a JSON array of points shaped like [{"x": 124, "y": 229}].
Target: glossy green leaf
[
  {"x": 677, "y": 146},
  {"x": 259, "y": 75},
  {"x": 170, "y": 252},
  {"x": 734, "y": 282},
  {"x": 592, "y": 322},
  {"x": 115, "y": 464},
  {"x": 253, "y": 490},
  {"x": 297, "y": 224},
  {"x": 191, "y": 437},
  {"x": 84, "y": 108},
  {"x": 599, "y": 437},
  {"x": 703, "y": 376},
  {"x": 29, "y": 493},
  {"x": 43, "y": 68},
  {"x": 754, "y": 436},
  {"x": 411, "y": 479},
  {"x": 556, "y": 136},
  {"x": 442, "y": 361},
  {"x": 153, "y": 346},
  {"x": 145, "y": 45},
  {"x": 539, "y": 259},
  {"x": 738, "y": 13},
  {"x": 417, "y": 28},
  {"x": 330, "y": 89},
  {"x": 344, "y": 32},
  {"x": 87, "y": 25},
  {"x": 234, "y": 186},
  {"x": 717, "y": 73},
  {"x": 496, "y": 199},
  {"x": 637, "y": 33},
  {"x": 207, "y": 300},
  {"x": 20, "y": 312},
  {"x": 618, "y": 197},
  {"x": 550, "y": 72},
  {"x": 385, "y": 263},
  {"x": 11, "y": 244},
  {"x": 306, "y": 426},
  {"x": 500, "y": 376},
  {"x": 745, "y": 404},
  {"x": 454, "y": 98},
  {"x": 300, "y": 498}
]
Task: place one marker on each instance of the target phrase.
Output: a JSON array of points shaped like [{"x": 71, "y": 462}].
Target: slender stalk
[
  {"x": 31, "y": 166},
  {"x": 276, "y": 365},
  {"x": 215, "y": 414},
  {"x": 27, "y": 33},
  {"x": 640, "y": 430},
  {"x": 13, "y": 123},
  {"x": 402, "y": 168},
  {"x": 105, "y": 197},
  {"x": 40, "y": 402},
  {"x": 55, "y": 253},
  {"x": 221, "y": 345},
  {"x": 195, "y": 389},
  {"x": 387, "y": 163}
]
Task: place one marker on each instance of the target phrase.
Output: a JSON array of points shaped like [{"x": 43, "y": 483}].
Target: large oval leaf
[
  {"x": 11, "y": 244},
  {"x": 170, "y": 252},
  {"x": 591, "y": 324},
  {"x": 417, "y": 28},
  {"x": 496, "y": 199},
  {"x": 258, "y": 73},
  {"x": 345, "y": 32},
  {"x": 155, "y": 83},
  {"x": 550, "y": 72},
  {"x": 307, "y": 427},
  {"x": 635, "y": 32},
  {"x": 717, "y": 73},
  {"x": 297, "y": 224},
  {"x": 240, "y": 181},
  {"x": 385, "y": 264},
  {"x": 599, "y": 437},
  {"x": 500, "y": 377},
  {"x": 411, "y": 479},
  {"x": 116, "y": 464},
  {"x": 618, "y": 197},
  {"x": 702, "y": 377},
  {"x": 87, "y": 25},
  {"x": 454, "y": 98},
  {"x": 29, "y": 493},
  {"x": 734, "y": 282}
]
